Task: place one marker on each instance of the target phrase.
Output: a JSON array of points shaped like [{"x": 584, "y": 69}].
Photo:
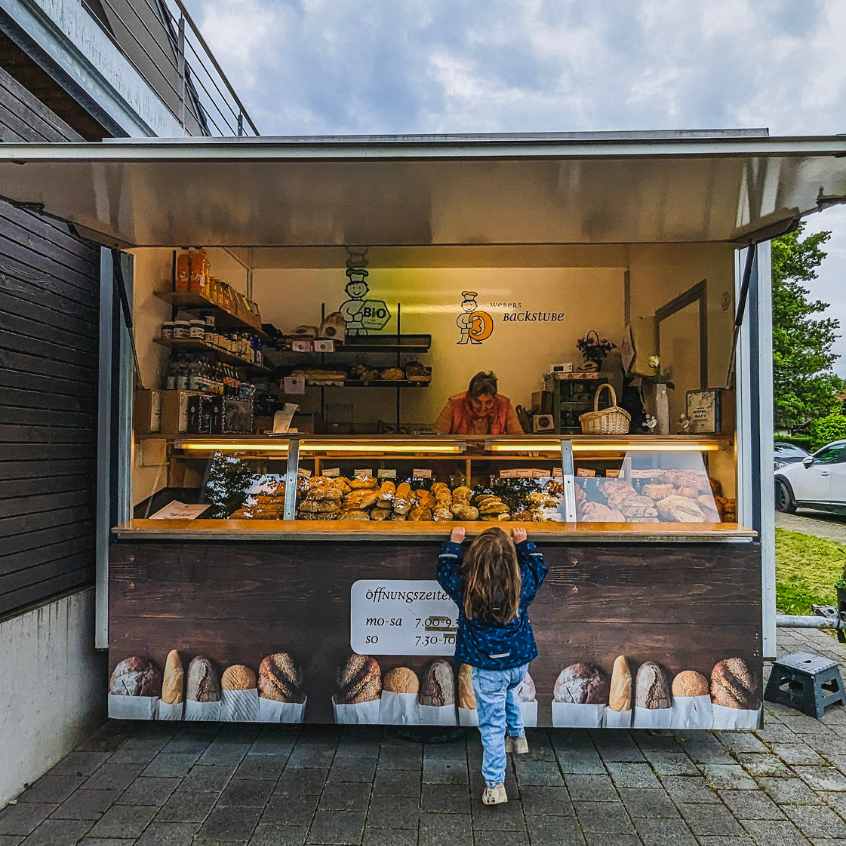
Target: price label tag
[
  {"x": 332, "y": 472},
  {"x": 303, "y": 473},
  {"x": 402, "y": 617},
  {"x": 363, "y": 473},
  {"x": 421, "y": 473},
  {"x": 386, "y": 474}
]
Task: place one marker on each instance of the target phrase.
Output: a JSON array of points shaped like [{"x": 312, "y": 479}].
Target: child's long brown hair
[{"x": 492, "y": 580}]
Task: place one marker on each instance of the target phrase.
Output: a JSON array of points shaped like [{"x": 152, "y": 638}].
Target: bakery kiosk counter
[{"x": 286, "y": 577}]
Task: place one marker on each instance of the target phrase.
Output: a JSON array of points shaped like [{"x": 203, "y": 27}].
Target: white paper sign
[
  {"x": 176, "y": 510},
  {"x": 402, "y": 617}
]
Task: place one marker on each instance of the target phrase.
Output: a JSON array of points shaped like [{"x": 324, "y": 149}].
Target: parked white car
[{"x": 818, "y": 481}]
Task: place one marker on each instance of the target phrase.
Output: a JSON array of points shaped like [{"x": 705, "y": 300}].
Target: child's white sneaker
[
  {"x": 517, "y": 745},
  {"x": 494, "y": 795}
]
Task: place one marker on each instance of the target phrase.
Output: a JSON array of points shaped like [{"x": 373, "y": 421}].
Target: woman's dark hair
[{"x": 482, "y": 383}]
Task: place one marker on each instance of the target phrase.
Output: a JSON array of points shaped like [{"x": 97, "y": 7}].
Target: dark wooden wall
[
  {"x": 49, "y": 295},
  {"x": 685, "y": 606}
]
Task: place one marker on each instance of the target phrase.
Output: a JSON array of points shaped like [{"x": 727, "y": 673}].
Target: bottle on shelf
[
  {"x": 199, "y": 272},
  {"x": 183, "y": 271}
]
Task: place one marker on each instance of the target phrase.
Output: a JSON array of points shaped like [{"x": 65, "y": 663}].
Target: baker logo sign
[
  {"x": 474, "y": 324},
  {"x": 361, "y": 315}
]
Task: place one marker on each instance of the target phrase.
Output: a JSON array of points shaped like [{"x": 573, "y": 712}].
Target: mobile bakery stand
[{"x": 666, "y": 209}]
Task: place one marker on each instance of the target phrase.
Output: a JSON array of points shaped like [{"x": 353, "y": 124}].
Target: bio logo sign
[
  {"x": 474, "y": 324},
  {"x": 361, "y": 315}
]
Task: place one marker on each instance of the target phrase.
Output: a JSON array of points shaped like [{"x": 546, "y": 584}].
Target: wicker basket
[{"x": 609, "y": 421}]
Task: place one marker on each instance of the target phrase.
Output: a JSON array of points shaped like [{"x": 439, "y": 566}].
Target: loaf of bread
[
  {"x": 581, "y": 684},
  {"x": 238, "y": 677},
  {"x": 462, "y": 494},
  {"x": 438, "y": 686},
  {"x": 359, "y": 680},
  {"x": 360, "y": 499},
  {"x": 135, "y": 676},
  {"x": 173, "y": 683},
  {"x": 657, "y": 490},
  {"x": 420, "y": 513},
  {"x": 733, "y": 685},
  {"x": 280, "y": 678},
  {"x": 401, "y": 680},
  {"x": 651, "y": 688},
  {"x": 596, "y": 512},
  {"x": 526, "y": 691},
  {"x": 680, "y": 509},
  {"x": 690, "y": 683},
  {"x": 363, "y": 483},
  {"x": 387, "y": 490},
  {"x": 440, "y": 513},
  {"x": 380, "y": 513},
  {"x": 464, "y": 511},
  {"x": 355, "y": 515},
  {"x": 466, "y": 693},
  {"x": 203, "y": 683},
  {"x": 620, "y": 695}
]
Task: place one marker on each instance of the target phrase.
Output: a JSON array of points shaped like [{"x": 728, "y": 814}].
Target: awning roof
[{"x": 595, "y": 188}]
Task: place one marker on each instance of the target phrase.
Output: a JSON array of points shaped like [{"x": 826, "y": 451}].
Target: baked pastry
[
  {"x": 366, "y": 483},
  {"x": 360, "y": 500},
  {"x": 733, "y": 685},
  {"x": 380, "y": 513},
  {"x": 657, "y": 490},
  {"x": 280, "y": 678},
  {"x": 135, "y": 676},
  {"x": 173, "y": 682},
  {"x": 392, "y": 374},
  {"x": 466, "y": 693},
  {"x": 396, "y": 516},
  {"x": 386, "y": 491},
  {"x": 596, "y": 512},
  {"x": 322, "y": 506},
  {"x": 440, "y": 512},
  {"x": 424, "y": 498},
  {"x": 238, "y": 677},
  {"x": 438, "y": 686},
  {"x": 651, "y": 688},
  {"x": 690, "y": 683},
  {"x": 680, "y": 509},
  {"x": 359, "y": 680},
  {"x": 401, "y": 680},
  {"x": 581, "y": 684},
  {"x": 463, "y": 511},
  {"x": 355, "y": 514},
  {"x": 420, "y": 513},
  {"x": 462, "y": 494},
  {"x": 203, "y": 683},
  {"x": 526, "y": 691},
  {"x": 620, "y": 695}
]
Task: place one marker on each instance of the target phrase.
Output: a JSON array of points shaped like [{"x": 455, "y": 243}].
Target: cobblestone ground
[{"x": 169, "y": 784}]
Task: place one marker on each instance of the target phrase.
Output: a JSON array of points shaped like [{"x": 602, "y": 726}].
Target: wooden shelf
[
  {"x": 392, "y": 531},
  {"x": 224, "y": 319},
  {"x": 194, "y": 345},
  {"x": 407, "y": 344}
]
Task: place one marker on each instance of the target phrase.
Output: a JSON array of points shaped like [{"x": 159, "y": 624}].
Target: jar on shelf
[
  {"x": 198, "y": 330},
  {"x": 167, "y": 330},
  {"x": 181, "y": 330}
]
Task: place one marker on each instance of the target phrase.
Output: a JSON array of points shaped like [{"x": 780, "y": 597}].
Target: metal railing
[{"x": 167, "y": 49}]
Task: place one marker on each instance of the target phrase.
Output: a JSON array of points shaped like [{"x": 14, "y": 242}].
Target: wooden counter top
[{"x": 335, "y": 530}]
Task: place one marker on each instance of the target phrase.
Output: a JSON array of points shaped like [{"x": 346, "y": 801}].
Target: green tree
[{"x": 804, "y": 385}]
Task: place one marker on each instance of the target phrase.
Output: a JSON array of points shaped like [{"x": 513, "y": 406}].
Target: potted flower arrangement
[
  {"x": 657, "y": 399},
  {"x": 594, "y": 349}
]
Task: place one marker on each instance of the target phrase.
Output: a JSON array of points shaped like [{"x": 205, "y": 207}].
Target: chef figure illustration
[
  {"x": 475, "y": 325},
  {"x": 351, "y": 309}
]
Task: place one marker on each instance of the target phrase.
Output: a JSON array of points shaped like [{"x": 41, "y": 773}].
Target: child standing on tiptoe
[{"x": 493, "y": 585}]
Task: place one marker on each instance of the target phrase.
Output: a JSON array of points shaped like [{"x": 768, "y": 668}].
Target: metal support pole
[
  {"x": 751, "y": 256},
  {"x": 291, "y": 479},
  {"x": 181, "y": 69},
  {"x": 240, "y": 123},
  {"x": 568, "y": 471}
]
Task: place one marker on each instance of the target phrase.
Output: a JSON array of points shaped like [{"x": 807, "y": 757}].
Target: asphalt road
[{"x": 817, "y": 523}]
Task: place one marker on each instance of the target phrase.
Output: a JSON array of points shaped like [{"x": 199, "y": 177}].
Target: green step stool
[{"x": 809, "y": 683}]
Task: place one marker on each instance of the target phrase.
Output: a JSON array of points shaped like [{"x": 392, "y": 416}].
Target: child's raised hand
[
  {"x": 519, "y": 535},
  {"x": 457, "y": 534}
]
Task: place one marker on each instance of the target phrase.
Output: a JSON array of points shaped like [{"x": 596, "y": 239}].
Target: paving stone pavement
[{"x": 169, "y": 784}]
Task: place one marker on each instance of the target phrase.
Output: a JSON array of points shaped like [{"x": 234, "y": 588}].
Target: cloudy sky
[{"x": 395, "y": 66}]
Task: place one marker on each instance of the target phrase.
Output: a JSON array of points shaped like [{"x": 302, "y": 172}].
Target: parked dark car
[{"x": 785, "y": 453}]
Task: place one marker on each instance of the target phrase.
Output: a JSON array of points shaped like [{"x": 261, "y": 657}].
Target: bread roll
[
  {"x": 401, "y": 680},
  {"x": 620, "y": 696},
  {"x": 355, "y": 515},
  {"x": 203, "y": 683},
  {"x": 466, "y": 694},
  {"x": 651, "y": 688},
  {"x": 690, "y": 683},
  {"x": 280, "y": 678},
  {"x": 380, "y": 513},
  {"x": 581, "y": 684},
  {"x": 135, "y": 676},
  {"x": 173, "y": 683},
  {"x": 238, "y": 677},
  {"x": 462, "y": 511},
  {"x": 438, "y": 686},
  {"x": 363, "y": 483},
  {"x": 462, "y": 494},
  {"x": 440, "y": 513},
  {"x": 733, "y": 685}
]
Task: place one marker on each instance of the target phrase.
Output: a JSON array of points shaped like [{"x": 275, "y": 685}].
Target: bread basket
[{"x": 608, "y": 421}]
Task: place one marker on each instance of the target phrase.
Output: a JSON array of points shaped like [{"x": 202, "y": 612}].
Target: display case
[{"x": 571, "y": 480}]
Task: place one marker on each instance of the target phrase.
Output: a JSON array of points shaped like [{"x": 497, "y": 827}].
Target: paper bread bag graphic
[
  {"x": 398, "y": 705},
  {"x": 281, "y": 697},
  {"x": 619, "y": 712},
  {"x": 436, "y": 700},
  {"x": 653, "y": 699},
  {"x": 735, "y": 695},
  {"x": 358, "y": 700},
  {"x": 202, "y": 691},
  {"x": 134, "y": 689},
  {"x": 580, "y": 696},
  {"x": 691, "y": 701},
  {"x": 239, "y": 694},
  {"x": 172, "y": 702}
]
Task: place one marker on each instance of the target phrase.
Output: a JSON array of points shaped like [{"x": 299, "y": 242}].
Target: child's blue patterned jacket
[{"x": 494, "y": 646}]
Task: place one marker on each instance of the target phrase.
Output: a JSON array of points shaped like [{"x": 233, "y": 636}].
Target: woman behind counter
[{"x": 480, "y": 410}]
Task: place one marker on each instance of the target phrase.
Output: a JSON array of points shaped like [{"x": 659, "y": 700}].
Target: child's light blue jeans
[{"x": 499, "y": 711}]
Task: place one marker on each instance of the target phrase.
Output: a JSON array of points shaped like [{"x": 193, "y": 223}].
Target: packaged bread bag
[
  {"x": 653, "y": 697},
  {"x": 202, "y": 691},
  {"x": 691, "y": 701},
  {"x": 436, "y": 700},
  {"x": 281, "y": 697},
  {"x": 239, "y": 694},
  {"x": 398, "y": 704},
  {"x": 619, "y": 712},
  {"x": 469, "y": 716},
  {"x": 172, "y": 701},
  {"x": 735, "y": 695},
  {"x": 134, "y": 689},
  {"x": 580, "y": 696},
  {"x": 358, "y": 698}
]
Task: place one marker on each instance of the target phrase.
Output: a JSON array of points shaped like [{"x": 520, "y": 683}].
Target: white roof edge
[{"x": 423, "y": 147}]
